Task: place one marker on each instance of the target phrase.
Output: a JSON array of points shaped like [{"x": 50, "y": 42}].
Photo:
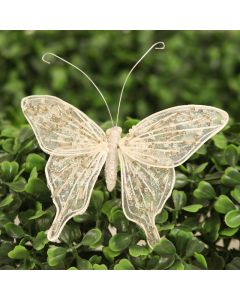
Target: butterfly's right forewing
[{"x": 169, "y": 137}]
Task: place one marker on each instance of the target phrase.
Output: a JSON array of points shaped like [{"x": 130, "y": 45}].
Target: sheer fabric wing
[
  {"x": 60, "y": 128},
  {"x": 145, "y": 189},
  {"x": 169, "y": 137},
  {"x": 71, "y": 180}
]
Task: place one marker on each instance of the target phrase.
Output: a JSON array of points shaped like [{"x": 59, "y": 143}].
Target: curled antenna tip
[
  {"x": 44, "y": 55},
  {"x": 161, "y": 47}
]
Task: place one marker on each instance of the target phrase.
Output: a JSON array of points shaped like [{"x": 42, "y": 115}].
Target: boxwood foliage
[{"x": 199, "y": 224}]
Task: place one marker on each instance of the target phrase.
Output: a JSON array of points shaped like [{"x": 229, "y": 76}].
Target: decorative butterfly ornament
[{"x": 148, "y": 154}]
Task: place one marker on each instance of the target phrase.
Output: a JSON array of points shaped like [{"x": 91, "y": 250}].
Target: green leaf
[
  {"x": 34, "y": 173},
  {"x": 118, "y": 219},
  {"x": 179, "y": 199},
  {"x": 70, "y": 233},
  {"x": 165, "y": 262},
  {"x": 36, "y": 186},
  {"x": 234, "y": 264},
  {"x": 229, "y": 231},
  {"x": 35, "y": 160},
  {"x": 18, "y": 185},
  {"x": 56, "y": 255},
  {"x": 110, "y": 254},
  {"x": 194, "y": 245},
  {"x": 220, "y": 140},
  {"x": 97, "y": 199},
  {"x": 192, "y": 208},
  {"x": 235, "y": 193},
  {"x": 8, "y": 146},
  {"x": 25, "y": 134},
  {"x": 9, "y": 170},
  {"x": 137, "y": 251},
  {"x": 19, "y": 252},
  {"x": 232, "y": 218},
  {"x": 120, "y": 241},
  {"x": 201, "y": 260},
  {"x": 231, "y": 155},
  {"x": 14, "y": 230},
  {"x": 6, "y": 201},
  {"x": 92, "y": 237},
  {"x": 211, "y": 228},
  {"x": 10, "y": 132},
  {"x": 130, "y": 123},
  {"x": 72, "y": 268},
  {"x": 223, "y": 204},
  {"x": 124, "y": 264},
  {"x": 162, "y": 217},
  {"x": 86, "y": 217},
  {"x": 4, "y": 219},
  {"x": 39, "y": 213},
  {"x": 99, "y": 267},
  {"x": 231, "y": 177},
  {"x": 185, "y": 243},
  {"x": 181, "y": 180},
  {"x": 40, "y": 241},
  {"x": 95, "y": 259},
  {"x": 164, "y": 247},
  {"x": 177, "y": 266},
  {"x": 215, "y": 261},
  {"x": 199, "y": 169},
  {"x": 204, "y": 191},
  {"x": 108, "y": 206},
  {"x": 83, "y": 264}
]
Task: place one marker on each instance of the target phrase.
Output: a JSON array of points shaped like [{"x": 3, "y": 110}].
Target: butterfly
[{"x": 147, "y": 155}]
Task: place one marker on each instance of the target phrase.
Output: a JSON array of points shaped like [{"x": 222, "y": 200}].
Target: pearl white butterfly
[{"x": 148, "y": 154}]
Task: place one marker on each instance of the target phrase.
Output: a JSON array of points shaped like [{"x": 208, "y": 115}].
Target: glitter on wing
[
  {"x": 169, "y": 137},
  {"x": 71, "y": 180},
  {"x": 145, "y": 189},
  {"x": 60, "y": 128}
]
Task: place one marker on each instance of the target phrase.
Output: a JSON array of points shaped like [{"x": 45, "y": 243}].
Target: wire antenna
[
  {"x": 80, "y": 70},
  {"x": 154, "y": 46}
]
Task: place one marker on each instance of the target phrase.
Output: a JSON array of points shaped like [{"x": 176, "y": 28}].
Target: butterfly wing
[
  {"x": 169, "y": 137},
  {"x": 151, "y": 150},
  {"x": 60, "y": 128},
  {"x": 71, "y": 180},
  {"x": 77, "y": 148},
  {"x": 145, "y": 189}
]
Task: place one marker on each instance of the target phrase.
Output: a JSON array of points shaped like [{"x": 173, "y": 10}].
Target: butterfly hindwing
[
  {"x": 169, "y": 137},
  {"x": 71, "y": 180},
  {"x": 144, "y": 192},
  {"x": 60, "y": 128}
]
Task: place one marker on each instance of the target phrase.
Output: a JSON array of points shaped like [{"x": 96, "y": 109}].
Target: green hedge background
[{"x": 200, "y": 222}]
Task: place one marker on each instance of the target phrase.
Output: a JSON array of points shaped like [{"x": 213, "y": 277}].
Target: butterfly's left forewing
[{"x": 60, "y": 128}]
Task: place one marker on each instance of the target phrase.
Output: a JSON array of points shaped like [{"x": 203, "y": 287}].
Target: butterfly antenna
[
  {"x": 155, "y": 46},
  {"x": 80, "y": 70}
]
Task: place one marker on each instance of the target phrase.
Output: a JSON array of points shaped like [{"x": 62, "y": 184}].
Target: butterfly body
[{"x": 113, "y": 137}]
